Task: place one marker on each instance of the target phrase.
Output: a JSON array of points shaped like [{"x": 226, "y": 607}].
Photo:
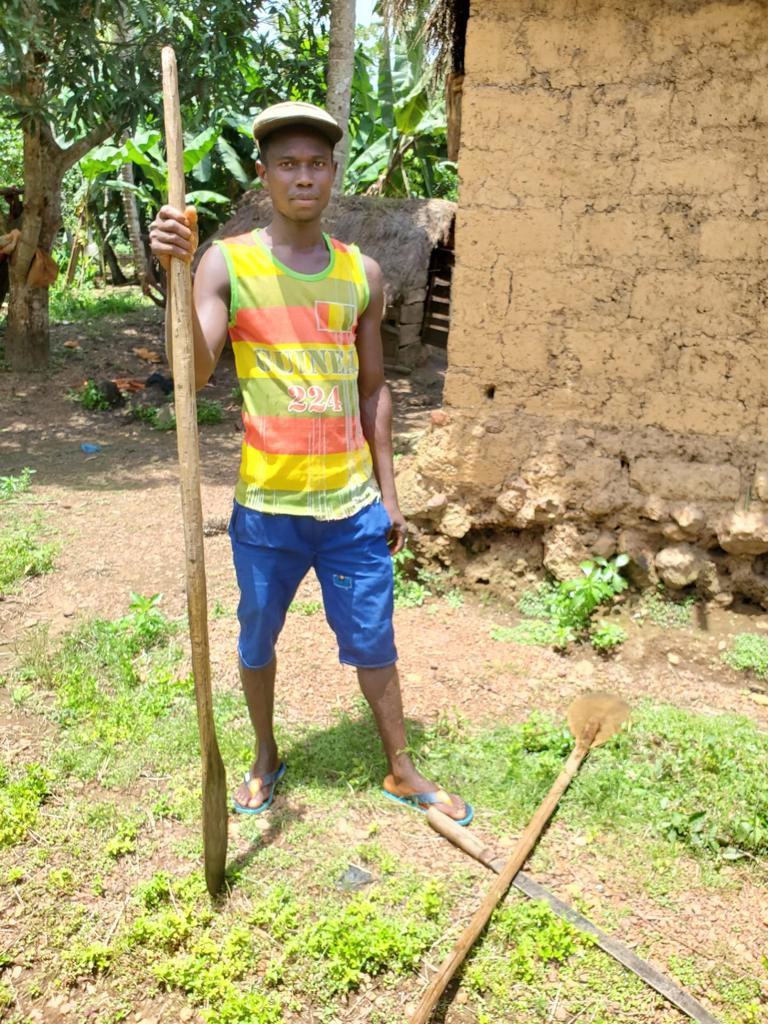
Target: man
[{"x": 316, "y": 486}]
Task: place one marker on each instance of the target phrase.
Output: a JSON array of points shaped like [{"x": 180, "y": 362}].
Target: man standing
[{"x": 316, "y": 486}]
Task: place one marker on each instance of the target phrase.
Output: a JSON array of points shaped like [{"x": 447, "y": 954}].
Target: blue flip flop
[
  {"x": 257, "y": 782},
  {"x": 437, "y": 797}
]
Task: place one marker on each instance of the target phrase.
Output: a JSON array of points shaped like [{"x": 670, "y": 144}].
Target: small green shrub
[
  {"x": 562, "y": 613},
  {"x": 209, "y": 411},
  {"x": 607, "y": 636},
  {"x": 90, "y": 396},
  {"x": 748, "y": 653},
  {"x": 355, "y": 940},
  {"x": 94, "y": 958},
  {"x": 7, "y": 998}
]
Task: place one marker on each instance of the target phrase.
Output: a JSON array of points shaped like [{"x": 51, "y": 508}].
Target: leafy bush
[{"x": 748, "y": 653}]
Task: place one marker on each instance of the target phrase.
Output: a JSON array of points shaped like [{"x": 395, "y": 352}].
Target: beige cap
[{"x": 295, "y": 112}]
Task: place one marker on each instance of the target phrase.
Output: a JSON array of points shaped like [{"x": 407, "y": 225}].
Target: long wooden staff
[{"x": 181, "y": 347}]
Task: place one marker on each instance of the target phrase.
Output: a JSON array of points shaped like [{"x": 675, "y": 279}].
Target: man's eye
[{"x": 319, "y": 163}]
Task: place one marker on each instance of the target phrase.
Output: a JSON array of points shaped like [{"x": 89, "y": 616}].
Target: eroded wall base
[{"x": 520, "y": 493}]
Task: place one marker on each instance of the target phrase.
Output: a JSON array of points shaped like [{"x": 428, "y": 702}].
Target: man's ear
[{"x": 261, "y": 170}]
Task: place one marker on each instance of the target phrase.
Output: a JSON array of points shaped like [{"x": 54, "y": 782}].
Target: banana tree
[{"x": 398, "y": 126}]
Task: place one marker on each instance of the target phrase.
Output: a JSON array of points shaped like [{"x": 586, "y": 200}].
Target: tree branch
[{"x": 95, "y": 137}]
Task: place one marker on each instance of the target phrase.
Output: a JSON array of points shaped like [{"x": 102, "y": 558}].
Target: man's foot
[
  {"x": 424, "y": 795},
  {"x": 256, "y": 792}
]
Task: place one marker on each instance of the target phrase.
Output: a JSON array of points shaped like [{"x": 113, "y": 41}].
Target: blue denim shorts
[{"x": 274, "y": 552}]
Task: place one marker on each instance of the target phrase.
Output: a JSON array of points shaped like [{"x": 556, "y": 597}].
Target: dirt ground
[{"x": 116, "y": 515}]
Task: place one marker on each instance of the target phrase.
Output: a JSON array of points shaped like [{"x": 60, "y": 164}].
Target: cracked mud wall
[{"x": 608, "y": 362}]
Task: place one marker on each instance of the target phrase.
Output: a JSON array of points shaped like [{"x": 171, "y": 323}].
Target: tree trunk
[
  {"x": 115, "y": 270},
  {"x": 27, "y": 337},
  {"x": 341, "y": 65},
  {"x": 131, "y": 214}
]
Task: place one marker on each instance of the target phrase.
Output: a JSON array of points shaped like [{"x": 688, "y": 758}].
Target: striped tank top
[{"x": 293, "y": 335}]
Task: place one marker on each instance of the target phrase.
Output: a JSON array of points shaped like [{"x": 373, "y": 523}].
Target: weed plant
[
  {"x": 13, "y": 486},
  {"x": 22, "y": 551},
  {"x": 410, "y": 591},
  {"x": 90, "y": 396},
  {"x": 748, "y": 652},
  {"x": 21, "y": 796},
  {"x": 561, "y": 613}
]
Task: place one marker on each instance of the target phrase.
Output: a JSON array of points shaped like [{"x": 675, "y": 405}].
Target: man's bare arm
[
  {"x": 171, "y": 235},
  {"x": 376, "y": 401}
]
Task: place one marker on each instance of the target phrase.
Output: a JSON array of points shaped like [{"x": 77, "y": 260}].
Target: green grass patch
[
  {"x": 674, "y": 785},
  {"x": 305, "y": 607},
  {"x": 666, "y": 610},
  {"x": 692, "y": 783},
  {"x": 21, "y": 796},
  {"x": 748, "y": 652},
  {"x": 22, "y": 553},
  {"x": 113, "y": 681},
  {"x": 209, "y": 412},
  {"x": 72, "y": 303}
]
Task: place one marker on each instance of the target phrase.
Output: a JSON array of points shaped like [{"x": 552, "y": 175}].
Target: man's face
[{"x": 298, "y": 169}]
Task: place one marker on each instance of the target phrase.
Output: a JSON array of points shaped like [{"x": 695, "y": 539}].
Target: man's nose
[{"x": 304, "y": 177}]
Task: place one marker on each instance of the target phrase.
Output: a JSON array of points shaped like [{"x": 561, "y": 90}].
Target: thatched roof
[{"x": 399, "y": 234}]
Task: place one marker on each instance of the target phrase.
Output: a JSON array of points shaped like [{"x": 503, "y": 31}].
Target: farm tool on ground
[
  {"x": 180, "y": 298},
  {"x": 652, "y": 977},
  {"x": 593, "y": 719}
]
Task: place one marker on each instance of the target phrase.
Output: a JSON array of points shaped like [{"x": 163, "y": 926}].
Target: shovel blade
[{"x": 605, "y": 710}]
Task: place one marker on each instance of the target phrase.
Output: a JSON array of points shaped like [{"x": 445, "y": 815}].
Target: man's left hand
[{"x": 398, "y": 533}]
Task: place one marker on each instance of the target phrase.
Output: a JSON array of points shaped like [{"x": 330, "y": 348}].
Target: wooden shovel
[
  {"x": 181, "y": 347},
  {"x": 592, "y": 718}
]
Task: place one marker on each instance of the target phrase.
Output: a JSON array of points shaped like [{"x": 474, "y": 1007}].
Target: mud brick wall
[{"x": 608, "y": 356}]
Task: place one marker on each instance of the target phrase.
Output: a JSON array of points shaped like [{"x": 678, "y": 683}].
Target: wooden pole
[
  {"x": 518, "y": 857},
  {"x": 180, "y": 286}
]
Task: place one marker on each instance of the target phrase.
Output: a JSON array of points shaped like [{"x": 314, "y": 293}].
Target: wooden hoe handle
[
  {"x": 180, "y": 297},
  {"x": 517, "y": 858}
]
